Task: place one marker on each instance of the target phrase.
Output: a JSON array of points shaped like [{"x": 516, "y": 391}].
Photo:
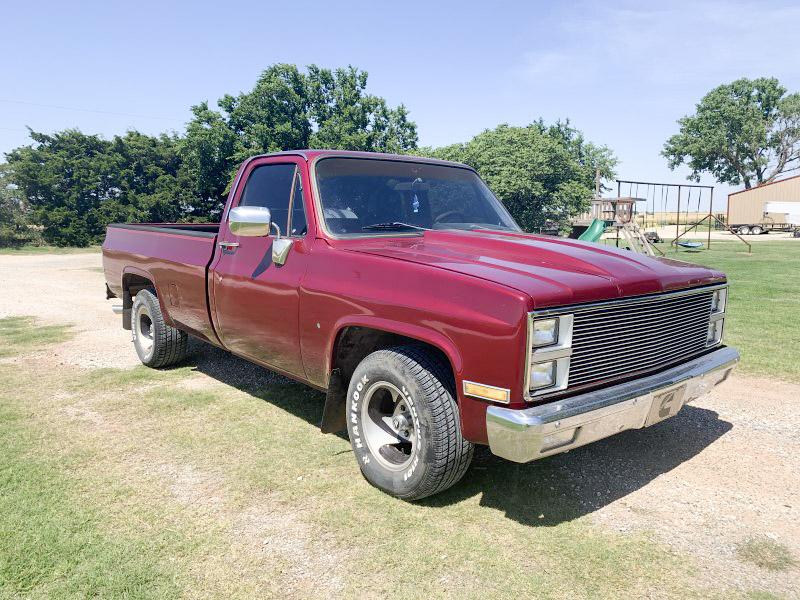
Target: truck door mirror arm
[{"x": 280, "y": 249}]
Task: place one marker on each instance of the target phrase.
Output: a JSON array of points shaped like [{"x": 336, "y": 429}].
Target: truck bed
[
  {"x": 193, "y": 229},
  {"x": 176, "y": 257}
]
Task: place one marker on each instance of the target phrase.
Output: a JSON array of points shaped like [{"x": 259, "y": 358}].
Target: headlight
[
  {"x": 714, "y": 332},
  {"x": 718, "y": 300},
  {"x": 545, "y": 332},
  {"x": 543, "y": 374},
  {"x": 549, "y": 352}
]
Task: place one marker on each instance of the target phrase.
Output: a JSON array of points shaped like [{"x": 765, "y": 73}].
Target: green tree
[
  {"x": 14, "y": 228},
  {"x": 75, "y": 184},
  {"x": 543, "y": 174},
  {"x": 64, "y": 177},
  {"x": 745, "y": 132},
  {"x": 210, "y": 153},
  {"x": 344, "y": 117},
  {"x": 145, "y": 173},
  {"x": 288, "y": 110}
]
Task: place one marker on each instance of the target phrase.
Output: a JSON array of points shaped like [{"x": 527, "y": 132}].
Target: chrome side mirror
[
  {"x": 250, "y": 221},
  {"x": 256, "y": 221}
]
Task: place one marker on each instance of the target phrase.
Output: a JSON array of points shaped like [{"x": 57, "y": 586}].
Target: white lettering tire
[{"x": 403, "y": 422}]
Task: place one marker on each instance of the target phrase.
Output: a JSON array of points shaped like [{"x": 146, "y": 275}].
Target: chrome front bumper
[{"x": 531, "y": 433}]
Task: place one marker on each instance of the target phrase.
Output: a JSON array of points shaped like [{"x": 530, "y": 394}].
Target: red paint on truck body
[{"x": 465, "y": 292}]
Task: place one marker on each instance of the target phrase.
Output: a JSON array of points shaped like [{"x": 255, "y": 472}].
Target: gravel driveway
[{"x": 724, "y": 471}]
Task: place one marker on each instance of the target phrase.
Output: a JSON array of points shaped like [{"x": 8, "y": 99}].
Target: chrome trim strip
[
  {"x": 494, "y": 387},
  {"x": 528, "y": 434},
  {"x": 630, "y": 301}
]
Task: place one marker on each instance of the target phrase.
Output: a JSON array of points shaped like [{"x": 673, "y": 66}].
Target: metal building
[{"x": 767, "y": 205}]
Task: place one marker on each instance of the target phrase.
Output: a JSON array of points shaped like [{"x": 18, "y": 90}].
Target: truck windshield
[{"x": 368, "y": 196}]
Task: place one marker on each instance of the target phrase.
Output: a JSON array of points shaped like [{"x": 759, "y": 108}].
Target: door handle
[{"x": 227, "y": 245}]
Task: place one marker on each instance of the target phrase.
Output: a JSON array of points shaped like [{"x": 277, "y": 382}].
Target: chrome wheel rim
[
  {"x": 389, "y": 427},
  {"x": 143, "y": 327}
]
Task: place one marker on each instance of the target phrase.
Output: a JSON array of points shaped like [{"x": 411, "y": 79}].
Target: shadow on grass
[
  {"x": 546, "y": 492},
  {"x": 305, "y": 403}
]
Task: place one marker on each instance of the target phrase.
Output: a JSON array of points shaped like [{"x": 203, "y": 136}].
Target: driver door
[{"x": 256, "y": 302}]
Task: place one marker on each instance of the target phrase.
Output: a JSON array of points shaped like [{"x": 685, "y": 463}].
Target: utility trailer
[{"x": 790, "y": 224}]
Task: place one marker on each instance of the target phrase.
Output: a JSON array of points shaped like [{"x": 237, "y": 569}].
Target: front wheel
[
  {"x": 403, "y": 422},
  {"x": 157, "y": 344}
]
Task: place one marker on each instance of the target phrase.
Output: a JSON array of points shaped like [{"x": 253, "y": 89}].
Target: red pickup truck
[{"x": 402, "y": 288}]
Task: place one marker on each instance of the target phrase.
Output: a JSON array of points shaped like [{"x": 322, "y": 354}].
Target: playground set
[{"x": 640, "y": 230}]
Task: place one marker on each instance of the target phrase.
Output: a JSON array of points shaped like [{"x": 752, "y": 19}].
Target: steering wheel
[{"x": 449, "y": 213}]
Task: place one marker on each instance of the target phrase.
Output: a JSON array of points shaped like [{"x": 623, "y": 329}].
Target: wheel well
[
  {"x": 132, "y": 284},
  {"x": 352, "y": 345}
]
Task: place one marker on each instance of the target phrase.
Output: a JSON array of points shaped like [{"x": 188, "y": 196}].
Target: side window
[
  {"x": 271, "y": 186},
  {"x": 298, "y": 225}
]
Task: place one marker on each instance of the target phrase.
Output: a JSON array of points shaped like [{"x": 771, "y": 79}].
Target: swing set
[{"x": 683, "y": 196}]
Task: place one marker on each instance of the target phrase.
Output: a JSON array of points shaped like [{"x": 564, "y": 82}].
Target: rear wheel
[
  {"x": 404, "y": 424},
  {"x": 157, "y": 344},
  {"x": 756, "y": 230},
  {"x": 744, "y": 230}
]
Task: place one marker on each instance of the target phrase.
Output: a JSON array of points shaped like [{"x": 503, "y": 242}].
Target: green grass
[
  {"x": 763, "y": 319},
  {"x": 171, "y": 483},
  {"x": 19, "y": 334},
  {"x": 763, "y": 304},
  {"x": 27, "y": 249},
  {"x": 163, "y": 483},
  {"x": 53, "y": 542},
  {"x": 759, "y": 595},
  {"x": 766, "y": 554},
  {"x": 76, "y": 519}
]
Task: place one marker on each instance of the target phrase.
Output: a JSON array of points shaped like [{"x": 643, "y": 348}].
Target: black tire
[
  {"x": 744, "y": 230},
  {"x": 157, "y": 344},
  {"x": 756, "y": 230},
  {"x": 440, "y": 456}
]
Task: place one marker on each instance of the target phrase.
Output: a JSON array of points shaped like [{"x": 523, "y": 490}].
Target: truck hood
[{"x": 552, "y": 271}]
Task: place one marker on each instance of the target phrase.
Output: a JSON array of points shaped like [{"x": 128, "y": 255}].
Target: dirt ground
[{"x": 728, "y": 469}]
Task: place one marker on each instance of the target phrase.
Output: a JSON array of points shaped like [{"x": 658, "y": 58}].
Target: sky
[{"x": 621, "y": 72}]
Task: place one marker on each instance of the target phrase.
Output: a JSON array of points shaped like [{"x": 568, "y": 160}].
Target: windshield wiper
[{"x": 391, "y": 226}]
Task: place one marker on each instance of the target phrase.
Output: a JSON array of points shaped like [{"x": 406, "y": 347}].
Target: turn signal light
[{"x": 487, "y": 392}]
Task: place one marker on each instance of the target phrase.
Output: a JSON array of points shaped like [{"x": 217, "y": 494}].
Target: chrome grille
[{"x": 611, "y": 340}]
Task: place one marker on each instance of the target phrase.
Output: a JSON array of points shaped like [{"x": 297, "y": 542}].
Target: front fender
[{"x": 409, "y": 330}]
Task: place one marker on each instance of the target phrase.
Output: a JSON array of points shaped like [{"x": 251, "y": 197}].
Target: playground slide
[{"x": 594, "y": 231}]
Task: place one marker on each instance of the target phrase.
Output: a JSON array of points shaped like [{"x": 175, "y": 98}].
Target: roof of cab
[{"x": 313, "y": 154}]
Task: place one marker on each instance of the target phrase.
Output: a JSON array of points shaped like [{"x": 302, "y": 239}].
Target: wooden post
[{"x": 597, "y": 183}]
